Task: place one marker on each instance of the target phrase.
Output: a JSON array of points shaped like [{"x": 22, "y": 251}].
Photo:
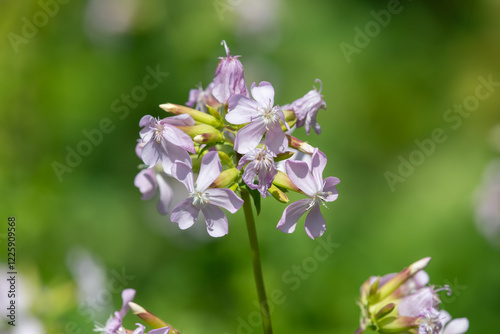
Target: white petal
[
  {"x": 209, "y": 171},
  {"x": 298, "y": 172},
  {"x": 315, "y": 222},
  {"x": 216, "y": 221},
  {"x": 249, "y": 137},
  {"x": 183, "y": 173},
  {"x": 225, "y": 198},
  {"x": 457, "y": 326},
  {"x": 184, "y": 214},
  {"x": 263, "y": 94},
  {"x": 292, "y": 214}
]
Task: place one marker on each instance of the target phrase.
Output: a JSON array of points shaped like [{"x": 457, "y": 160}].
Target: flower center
[
  {"x": 199, "y": 199},
  {"x": 319, "y": 197},
  {"x": 269, "y": 114},
  {"x": 265, "y": 160},
  {"x": 430, "y": 323},
  {"x": 157, "y": 128}
]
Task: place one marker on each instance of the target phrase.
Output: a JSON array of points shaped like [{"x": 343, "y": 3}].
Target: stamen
[{"x": 199, "y": 199}]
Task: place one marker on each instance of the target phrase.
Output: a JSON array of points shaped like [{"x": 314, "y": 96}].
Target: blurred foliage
[{"x": 65, "y": 78}]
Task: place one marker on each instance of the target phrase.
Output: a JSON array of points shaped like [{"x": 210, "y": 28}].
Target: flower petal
[
  {"x": 329, "y": 186},
  {"x": 249, "y": 175},
  {"x": 210, "y": 169},
  {"x": 315, "y": 222},
  {"x": 263, "y": 94},
  {"x": 318, "y": 163},
  {"x": 276, "y": 140},
  {"x": 145, "y": 120},
  {"x": 150, "y": 154},
  {"x": 127, "y": 296},
  {"x": 292, "y": 214},
  {"x": 177, "y": 137},
  {"x": 146, "y": 182},
  {"x": 172, "y": 154},
  {"x": 457, "y": 326},
  {"x": 183, "y": 173},
  {"x": 249, "y": 137},
  {"x": 184, "y": 214},
  {"x": 298, "y": 172},
  {"x": 241, "y": 110},
  {"x": 183, "y": 120},
  {"x": 166, "y": 193},
  {"x": 225, "y": 198},
  {"x": 216, "y": 221},
  {"x": 164, "y": 330}
]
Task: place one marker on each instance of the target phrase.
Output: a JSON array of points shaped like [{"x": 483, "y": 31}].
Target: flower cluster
[
  {"x": 114, "y": 323},
  {"x": 232, "y": 138},
  {"x": 405, "y": 303}
]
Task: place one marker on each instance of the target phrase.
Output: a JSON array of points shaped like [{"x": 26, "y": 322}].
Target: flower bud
[
  {"x": 300, "y": 145},
  {"x": 229, "y": 78},
  {"x": 226, "y": 178},
  {"x": 195, "y": 114},
  {"x": 282, "y": 180},
  {"x": 278, "y": 194},
  {"x": 149, "y": 318}
]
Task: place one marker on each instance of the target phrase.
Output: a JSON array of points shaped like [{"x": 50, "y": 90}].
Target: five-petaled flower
[
  {"x": 309, "y": 179},
  {"x": 263, "y": 118},
  {"x": 261, "y": 164},
  {"x": 202, "y": 198},
  {"x": 164, "y": 142}
]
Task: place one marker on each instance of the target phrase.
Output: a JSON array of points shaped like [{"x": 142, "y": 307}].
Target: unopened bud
[
  {"x": 282, "y": 180},
  {"x": 284, "y": 156},
  {"x": 289, "y": 115},
  {"x": 202, "y": 133},
  {"x": 278, "y": 194},
  {"x": 300, "y": 145},
  {"x": 399, "y": 279},
  {"x": 213, "y": 111},
  {"x": 195, "y": 114},
  {"x": 226, "y": 178},
  {"x": 149, "y": 318}
]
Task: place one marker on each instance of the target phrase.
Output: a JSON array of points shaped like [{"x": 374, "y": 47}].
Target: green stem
[{"x": 257, "y": 267}]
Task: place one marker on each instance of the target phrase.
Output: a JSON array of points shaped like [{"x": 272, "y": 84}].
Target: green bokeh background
[{"x": 396, "y": 90}]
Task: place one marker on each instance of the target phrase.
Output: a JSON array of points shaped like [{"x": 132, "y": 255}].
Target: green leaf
[{"x": 256, "y": 198}]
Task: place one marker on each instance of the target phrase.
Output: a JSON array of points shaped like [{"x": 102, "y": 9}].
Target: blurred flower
[
  {"x": 309, "y": 179},
  {"x": 114, "y": 324},
  {"x": 164, "y": 142},
  {"x": 261, "y": 165},
  {"x": 199, "y": 98},
  {"x": 229, "y": 78},
  {"x": 202, "y": 198},
  {"x": 487, "y": 203},
  {"x": 306, "y": 108},
  {"x": 263, "y": 118},
  {"x": 149, "y": 181}
]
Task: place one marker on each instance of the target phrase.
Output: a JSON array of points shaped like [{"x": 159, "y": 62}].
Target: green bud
[
  {"x": 283, "y": 156},
  {"x": 202, "y": 133},
  {"x": 290, "y": 116},
  {"x": 226, "y": 178},
  {"x": 282, "y": 180},
  {"x": 195, "y": 114},
  {"x": 214, "y": 112},
  {"x": 278, "y": 194}
]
